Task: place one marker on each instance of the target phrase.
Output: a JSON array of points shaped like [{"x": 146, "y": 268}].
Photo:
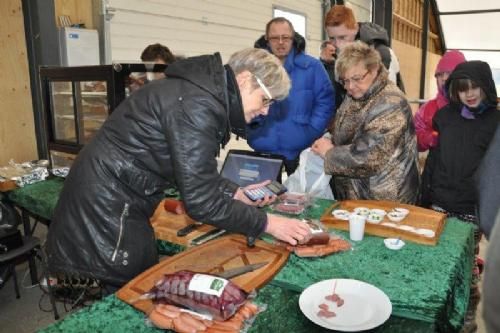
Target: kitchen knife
[
  {"x": 241, "y": 270},
  {"x": 208, "y": 236},
  {"x": 188, "y": 229}
]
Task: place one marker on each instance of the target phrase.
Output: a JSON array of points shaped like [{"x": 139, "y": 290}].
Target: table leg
[{"x": 27, "y": 232}]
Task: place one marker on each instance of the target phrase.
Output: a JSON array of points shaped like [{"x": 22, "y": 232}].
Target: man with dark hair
[
  {"x": 157, "y": 53},
  {"x": 327, "y": 57},
  {"x": 294, "y": 123},
  {"x": 343, "y": 29}
]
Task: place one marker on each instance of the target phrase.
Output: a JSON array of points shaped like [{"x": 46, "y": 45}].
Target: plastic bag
[
  {"x": 292, "y": 203},
  {"x": 202, "y": 293},
  {"x": 310, "y": 177},
  {"x": 180, "y": 320}
]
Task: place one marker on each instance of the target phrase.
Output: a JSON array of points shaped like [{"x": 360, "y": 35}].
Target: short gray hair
[
  {"x": 355, "y": 53},
  {"x": 264, "y": 66}
]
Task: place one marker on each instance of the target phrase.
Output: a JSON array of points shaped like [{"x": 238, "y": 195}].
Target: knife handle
[
  {"x": 187, "y": 230},
  {"x": 208, "y": 236}
]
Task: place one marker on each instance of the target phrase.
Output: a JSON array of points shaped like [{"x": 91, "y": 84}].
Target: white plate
[{"x": 365, "y": 306}]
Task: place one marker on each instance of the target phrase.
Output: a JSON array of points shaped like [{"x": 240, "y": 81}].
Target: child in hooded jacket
[
  {"x": 465, "y": 129},
  {"x": 426, "y": 136}
]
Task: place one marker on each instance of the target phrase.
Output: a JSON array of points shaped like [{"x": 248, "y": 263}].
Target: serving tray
[
  {"x": 166, "y": 225},
  {"x": 418, "y": 218},
  {"x": 213, "y": 257}
]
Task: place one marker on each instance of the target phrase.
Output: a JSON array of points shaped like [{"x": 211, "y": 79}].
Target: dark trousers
[{"x": 291, "y": 166}]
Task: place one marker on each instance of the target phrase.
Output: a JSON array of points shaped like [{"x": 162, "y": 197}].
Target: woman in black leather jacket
[{"x": 166, "y": 134}]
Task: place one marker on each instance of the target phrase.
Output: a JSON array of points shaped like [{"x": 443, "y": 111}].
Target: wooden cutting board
[
  {"x": 166, "y": 225},
  {"x": 215, "y": 256},
  {"x": 418, "y": 218}
]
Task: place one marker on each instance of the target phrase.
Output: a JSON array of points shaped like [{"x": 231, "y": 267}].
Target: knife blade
[
  {"x": 208, "y": 236},
  {"x": 241, "y": 270},
  {"x": 188, "y": 229}
]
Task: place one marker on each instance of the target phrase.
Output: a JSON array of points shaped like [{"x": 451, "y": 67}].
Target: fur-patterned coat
[{"x": 375, "y": 153}]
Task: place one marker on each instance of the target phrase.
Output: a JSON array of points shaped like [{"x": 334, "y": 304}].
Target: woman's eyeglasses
[
  {"x": 265, "y": 101},
  {"x": 356, "y": 79}
]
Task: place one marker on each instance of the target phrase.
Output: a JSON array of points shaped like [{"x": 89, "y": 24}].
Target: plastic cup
[{"x": 356, "y": 227}]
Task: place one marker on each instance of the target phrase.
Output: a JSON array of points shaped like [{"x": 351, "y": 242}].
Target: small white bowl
[
  {"x": 380, "y": 212},
  {"x": 395, "y": 216},
  {"x": 361, "y": 211},
  {"x": 374, "y": 218},
  {"x": 341, "y": 214},
  {"x": 394, "y": 243},
  {"x": 401, "y": 210}
]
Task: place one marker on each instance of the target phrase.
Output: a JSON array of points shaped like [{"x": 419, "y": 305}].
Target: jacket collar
[{"x": 234, "y": 105}]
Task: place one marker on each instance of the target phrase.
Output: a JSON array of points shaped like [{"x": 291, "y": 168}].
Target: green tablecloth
[
  {"x": 428, "y": 286},
  {"x": 39, "y": 198}
]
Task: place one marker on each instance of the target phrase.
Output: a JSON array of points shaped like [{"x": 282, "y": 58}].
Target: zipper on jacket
[{"x": 120, "y": 234}]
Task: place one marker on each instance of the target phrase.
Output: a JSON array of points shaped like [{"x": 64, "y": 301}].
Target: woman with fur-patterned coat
[{"x": 372, "y": 154}]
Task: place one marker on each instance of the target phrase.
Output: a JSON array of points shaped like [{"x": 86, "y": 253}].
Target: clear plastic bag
[
  {"x": 310, "y": 177},
  {"x": 181, "y": 320},
  {"x": 292, "y": 203}
]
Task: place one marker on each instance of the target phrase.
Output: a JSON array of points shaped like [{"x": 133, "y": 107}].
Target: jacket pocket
[{"x": 121, "y": 235}]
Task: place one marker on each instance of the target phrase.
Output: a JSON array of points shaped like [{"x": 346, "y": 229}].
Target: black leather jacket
[{"x": 167, "y": 133}]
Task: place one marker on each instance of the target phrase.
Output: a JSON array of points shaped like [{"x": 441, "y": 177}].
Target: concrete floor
[{"x": 24, "y": 315}]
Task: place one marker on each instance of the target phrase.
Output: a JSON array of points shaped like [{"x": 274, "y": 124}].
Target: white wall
[{"x": 193, "y": 27}]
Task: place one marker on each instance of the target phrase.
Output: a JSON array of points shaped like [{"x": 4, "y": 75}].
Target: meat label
[{"x": 207, "y": 284}]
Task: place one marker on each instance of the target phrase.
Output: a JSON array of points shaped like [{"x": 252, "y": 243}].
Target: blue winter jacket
[{"x": 295, "y": 122}]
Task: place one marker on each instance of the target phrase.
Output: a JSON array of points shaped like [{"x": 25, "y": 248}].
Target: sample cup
[{"x": 356, "y": 227}]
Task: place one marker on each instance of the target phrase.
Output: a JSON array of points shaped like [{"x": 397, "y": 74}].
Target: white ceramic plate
[{"x": 365, "y": 306}]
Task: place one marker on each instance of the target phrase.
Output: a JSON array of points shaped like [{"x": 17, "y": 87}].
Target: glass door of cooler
[
  {"x": 63, "y": 107},
  {"x": 79, "y": 109},
  {"x": 92, "y": 108}
]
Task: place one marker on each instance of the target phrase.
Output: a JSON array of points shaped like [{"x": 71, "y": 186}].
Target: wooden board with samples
[
  {"x": 420, "y": 225},
  {"x": 213, "y": 257}
]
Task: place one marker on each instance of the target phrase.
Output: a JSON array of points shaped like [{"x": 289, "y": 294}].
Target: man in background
[
  {"x": 295, "y": 122},
  {"x": 343, "y": 29},
  {"x": 157, "y": 53},
  {"x": 327, "y": 57}
]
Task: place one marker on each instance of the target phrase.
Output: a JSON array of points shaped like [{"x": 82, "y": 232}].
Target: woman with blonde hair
[{"x": 372, "y": 153}]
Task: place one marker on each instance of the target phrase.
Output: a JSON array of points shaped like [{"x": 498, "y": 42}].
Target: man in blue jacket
[{"x": 295, "y": 122}]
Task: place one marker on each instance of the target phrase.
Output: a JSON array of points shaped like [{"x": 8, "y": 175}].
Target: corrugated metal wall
[{"x": 193, "y": 27}]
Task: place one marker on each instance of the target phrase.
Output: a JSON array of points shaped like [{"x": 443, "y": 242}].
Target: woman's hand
[
  {"x": 241, "y": 196},
  {"x": 288, "y": 230},
  {"x": 322, "y": 146}
]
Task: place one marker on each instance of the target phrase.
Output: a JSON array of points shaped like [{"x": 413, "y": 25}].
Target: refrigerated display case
[{"x": 77, "y": 101}]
